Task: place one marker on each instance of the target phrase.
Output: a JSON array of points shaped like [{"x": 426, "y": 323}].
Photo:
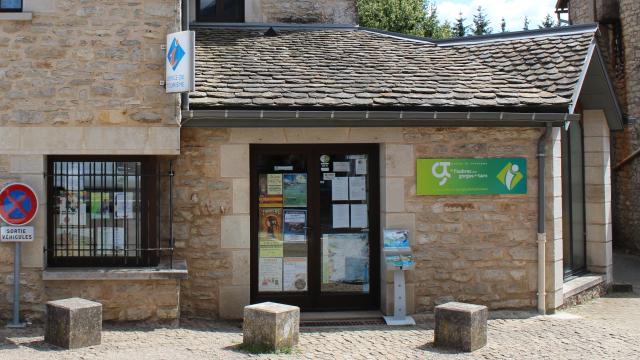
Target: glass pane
[
  {"x": 233, "y": 9},
  {"x": 283, "y": 219},
  {"x": 11, "y": 4},
  {"x": 577, "y": 196},
  {"x": 97, "y": 208},
  {"x": 344, "y": 222},
  {"x": 208, "y": 8}
]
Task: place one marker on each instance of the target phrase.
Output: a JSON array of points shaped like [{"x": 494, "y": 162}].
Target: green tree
[
  {"x": 548, "y": 22},
  {"x": 480, "y": 23},
  {"x": 459, "y": 29},
  {"x": 432, "y": 27},
  {"x": 503, "y": 25},
  {"x": 412, "y": 17},
  {"x": 526, "y": 24}
]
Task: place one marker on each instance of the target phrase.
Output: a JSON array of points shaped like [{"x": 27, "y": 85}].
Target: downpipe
[{"x": 542, "y": 236}]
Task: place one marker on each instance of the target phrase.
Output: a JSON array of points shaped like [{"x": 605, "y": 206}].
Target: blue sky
[{"x": 513, "y": 11}]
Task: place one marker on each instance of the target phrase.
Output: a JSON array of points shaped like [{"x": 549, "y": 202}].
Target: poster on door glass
[
  {"x": 265, "y": 198},
  {"x": 294, "y": 190},
  {"x": 270, "y": 224},
  {"x": 294, "y": 277},
  {"x": 270, "y": 274},
  {"x": 345, "y": 262},
  {"x": 295, "y": 222}
]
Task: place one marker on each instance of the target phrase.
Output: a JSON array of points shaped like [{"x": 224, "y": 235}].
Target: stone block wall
[
  {"x": 155, "y": 301},
  {"x": 309, "y": 11},
  {"x": 469, "y": 248},
  {"x": 626, "y": 197},
  {"x": 87, "y": 63},
  {"x": 626, "y": 178}
]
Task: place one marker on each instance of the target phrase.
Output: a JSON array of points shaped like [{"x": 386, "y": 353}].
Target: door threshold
[{"x": 312, "y": 316}]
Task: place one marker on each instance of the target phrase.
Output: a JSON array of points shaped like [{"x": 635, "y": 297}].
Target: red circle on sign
[{"x": 18, "y": 204}]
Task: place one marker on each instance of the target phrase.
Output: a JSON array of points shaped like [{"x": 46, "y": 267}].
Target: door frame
[{"x": 312, "y": 299}]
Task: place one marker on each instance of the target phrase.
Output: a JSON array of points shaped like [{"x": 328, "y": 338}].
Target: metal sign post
[
  {"x": 15, "y": 323},
  {"x": 18, "y": 207}
]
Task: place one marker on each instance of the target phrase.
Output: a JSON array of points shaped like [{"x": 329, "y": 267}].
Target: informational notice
[
  {"x": 340, "y": 188},
  {"x": 361, "y": 166},
  {"x": 357, "y": 188},
  {"x": 295, "y": 222},
  {"x": 341, "y": 166},
  {"x": 345, "y": 258},
  {"x": 471, "y": 176},
  {"x": 294, "y": 277},
  {"x": 340, "y": 216},
  {"x": 359, "y": 216},
  {"x": 110, "y": 238},
  {"x": 294, "y": 189},
  {"x": 73, "y": 212},
  {"x": 274, "y": 184},
  {"x": 124, "y": 205},
  {"x": 16, "y": 233},
  {"x": 395, "y": 239},
  {"x": 270, "y": 274}
]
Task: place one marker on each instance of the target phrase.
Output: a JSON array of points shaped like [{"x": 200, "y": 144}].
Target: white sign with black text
[
  {"x": 16, "y": 233},
  {"x": 180, "y": 59}
]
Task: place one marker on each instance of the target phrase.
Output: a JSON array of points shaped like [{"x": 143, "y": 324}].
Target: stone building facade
[
  {"x": 86, "y": 117},
  {"x": 619, "y": 28},
  {"x": 83, "y": 77}
]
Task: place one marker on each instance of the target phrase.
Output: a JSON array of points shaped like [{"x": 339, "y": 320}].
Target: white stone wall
[{"x": 598, "y": 193}]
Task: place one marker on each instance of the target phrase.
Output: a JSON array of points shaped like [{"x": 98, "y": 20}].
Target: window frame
[
  {"x": 148, "y": 215},
  {"x": 200, "y": 17},
  {"x": 12, "y": 10}
]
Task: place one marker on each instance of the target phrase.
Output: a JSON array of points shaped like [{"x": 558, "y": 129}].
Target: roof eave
[
  {"x": 595, "y": 91},
  {"x": 362, "y": 118}
]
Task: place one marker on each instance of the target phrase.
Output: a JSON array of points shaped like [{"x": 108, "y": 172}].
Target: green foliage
[
  {"x": 459, "y": 29},
  {"x": 548, "y": 22},
  {"x": 412, "y": 17},
  {"x": 261, "y": 349},
  {"x": 526, "y": 24},
  {"x": 480, "y": 23}
]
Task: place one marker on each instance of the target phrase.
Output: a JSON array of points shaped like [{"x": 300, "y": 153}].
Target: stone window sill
[
  {"x": 16, "y": 16},
  {"x": 580, "y": 284},
  {"x": 162, "y": 272}
]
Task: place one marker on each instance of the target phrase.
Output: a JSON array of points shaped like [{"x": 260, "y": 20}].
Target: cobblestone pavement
[{"x": 606, "y": 328}]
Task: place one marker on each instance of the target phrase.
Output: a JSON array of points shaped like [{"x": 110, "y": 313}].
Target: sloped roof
[{"x": 352, "y": 68}]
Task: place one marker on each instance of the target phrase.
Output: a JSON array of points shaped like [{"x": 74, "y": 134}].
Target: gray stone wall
[
  {"x": 626, "y": 194},
  {"x": 309, "y": 11}
]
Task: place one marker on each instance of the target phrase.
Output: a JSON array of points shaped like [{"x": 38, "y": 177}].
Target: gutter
[
  {"x": 362, "y": 118},
  {"x": 542, "y": 236}
]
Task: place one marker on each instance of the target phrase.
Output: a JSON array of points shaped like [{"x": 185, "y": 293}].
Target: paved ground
[{"x": 607, "y": 328}]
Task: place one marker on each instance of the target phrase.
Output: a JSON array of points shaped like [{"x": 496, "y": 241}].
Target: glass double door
[{"x": 315, "y": 226}]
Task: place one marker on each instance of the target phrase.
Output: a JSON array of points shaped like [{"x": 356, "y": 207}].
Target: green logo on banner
[
  {"x": 510, "y": 176},
  {"x": 471, "y": 176}
]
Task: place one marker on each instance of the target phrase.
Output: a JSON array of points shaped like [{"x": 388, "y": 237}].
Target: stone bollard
[
  {"x": 271, "y": 326},
  {"x": 461, "y": 326},
  {"x": 73, "y": 323}
]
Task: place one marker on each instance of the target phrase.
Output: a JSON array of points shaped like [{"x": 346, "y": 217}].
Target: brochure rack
[{"x": 399, "y": 258}]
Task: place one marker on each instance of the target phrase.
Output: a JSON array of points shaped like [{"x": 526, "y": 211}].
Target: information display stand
[{"x": 398, "y": 258}]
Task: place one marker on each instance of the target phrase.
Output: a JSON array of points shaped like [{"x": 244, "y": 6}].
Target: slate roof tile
[{"x": 347, "y": 68}]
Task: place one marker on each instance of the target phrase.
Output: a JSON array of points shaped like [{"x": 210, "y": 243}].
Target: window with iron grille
[
  {"x": 104, "y": 211},
  {"x": 220, "y": 10},
  {"x": 10, "y": 5}
]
